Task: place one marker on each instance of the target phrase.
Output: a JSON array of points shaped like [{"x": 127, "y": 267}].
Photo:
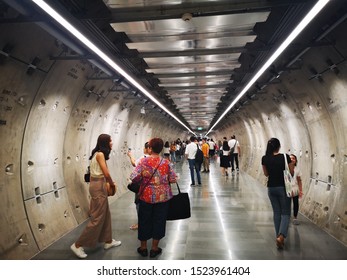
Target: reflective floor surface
[{"x": 231, "y": 219}]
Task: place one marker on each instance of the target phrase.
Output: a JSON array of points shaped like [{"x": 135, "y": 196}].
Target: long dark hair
[
  {"x": 226, "y": 146},
  {"x": 103, "y": 145},
  {"x": 273, "y": 145}
]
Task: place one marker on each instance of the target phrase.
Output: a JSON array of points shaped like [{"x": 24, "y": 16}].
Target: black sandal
[
  {"x": 142, "y": 252},
  {"x": 155, "y": 253}
]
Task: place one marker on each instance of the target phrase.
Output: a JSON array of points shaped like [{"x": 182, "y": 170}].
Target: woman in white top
[
  {"x": 166, "y": 150},
  {"x": 225, "y": 159},
  {"x": 99, "y": 228},
  {"x": 297, "y": 179}
]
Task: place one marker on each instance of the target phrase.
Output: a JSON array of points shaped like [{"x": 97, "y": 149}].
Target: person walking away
[
  {"x": 297, "y": 179},
  {"x": 173, "y": 151},
  {"x": 225, "y": 158},
  {"x": 178, "y": 151},
  {"x": 190, "y": 153},
  {"x": 205, "y": 149},
  {"x": 134, "y": 163},
  {"x": 212, "y": 148},
  {"x": 155, "y": 174},
  {"x": 273, "y": 164},
  {"x": 166, "y": 150},
  {"x": 99, "y": 227},
  {"x": 183, "y": 149},
  {"x": 235, "y": 153}
]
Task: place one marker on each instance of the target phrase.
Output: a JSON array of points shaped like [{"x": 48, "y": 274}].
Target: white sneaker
[
  {"x": 79, "y": 252},
  {"x": 114, "y": 243},
  {"x": 296, "y": 222}
]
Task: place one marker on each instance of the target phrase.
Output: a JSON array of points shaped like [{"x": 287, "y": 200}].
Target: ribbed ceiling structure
[{"x": 192, "y": 56}]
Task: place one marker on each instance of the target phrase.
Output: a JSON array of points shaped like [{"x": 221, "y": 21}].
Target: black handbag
[
  {"x": 134, "y": 187},
  {"x": 87, "y": 175},
  {"x": 179, "y": 206}
]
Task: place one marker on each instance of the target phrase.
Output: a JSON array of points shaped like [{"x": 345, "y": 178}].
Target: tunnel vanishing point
[{"x": 57, "y": 96}]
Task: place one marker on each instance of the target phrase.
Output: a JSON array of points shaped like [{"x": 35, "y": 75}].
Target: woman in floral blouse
[{"x": 155, "y": 174}]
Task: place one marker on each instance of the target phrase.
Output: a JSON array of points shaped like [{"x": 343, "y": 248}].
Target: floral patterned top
[{"x": 158, "y": 189}]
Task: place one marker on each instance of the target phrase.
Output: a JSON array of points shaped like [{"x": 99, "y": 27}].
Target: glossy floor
[{"x": 231, "y": 219}]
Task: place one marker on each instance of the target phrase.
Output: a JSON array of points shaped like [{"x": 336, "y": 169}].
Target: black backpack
[{"x": 199, "y": 156}]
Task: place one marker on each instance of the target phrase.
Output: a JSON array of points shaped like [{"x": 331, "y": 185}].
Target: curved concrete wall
[
  {"x": 309, "y": 117},
  {"x": 50, "y": 120},
  {"x": 51, "y": 115}
]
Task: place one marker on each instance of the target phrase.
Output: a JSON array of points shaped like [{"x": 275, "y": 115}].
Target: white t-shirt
[
  {"x": 297, "y": 173},
  {"x": 231, "y": 144},
  {"x": 211, "y": 144},
  {"x": 166, "y": 150},
  {"x": 191, "y": 150},
  {"x": 225, "y": 153}
]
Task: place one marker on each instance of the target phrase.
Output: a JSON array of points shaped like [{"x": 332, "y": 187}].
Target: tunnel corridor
[{"x": 55, "y": 100}]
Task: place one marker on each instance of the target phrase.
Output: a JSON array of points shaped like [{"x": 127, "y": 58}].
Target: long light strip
[
  {"x": 69, "y": 27},
  {"x": 307, "y": 19}
]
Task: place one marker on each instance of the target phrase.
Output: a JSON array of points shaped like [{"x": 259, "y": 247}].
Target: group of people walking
[
  {"x": 174, "y": 150},
  {"x": 229, "y": 154},
  {"x": 207, "y": 147},
  {"x": 155, "y": 174}
]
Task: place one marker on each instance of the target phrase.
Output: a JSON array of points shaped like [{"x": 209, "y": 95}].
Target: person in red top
[
  {"x": 134, "y": 162},
  {"x": 155, "y": 174}
]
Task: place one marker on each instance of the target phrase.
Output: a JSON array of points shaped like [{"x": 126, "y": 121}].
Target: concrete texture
[
  {"x": 231, "y": 219},
  {"x": 50, "y": 119}
]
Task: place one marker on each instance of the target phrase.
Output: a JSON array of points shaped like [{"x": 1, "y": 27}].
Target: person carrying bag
[
  {"x": 179, "y": 206},
  {"x": 155, "y": 175},
  {"x": 99, "y": 227}
]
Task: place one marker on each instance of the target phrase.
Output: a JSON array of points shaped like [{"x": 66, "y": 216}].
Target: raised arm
[{"x": 132, "y": 160}]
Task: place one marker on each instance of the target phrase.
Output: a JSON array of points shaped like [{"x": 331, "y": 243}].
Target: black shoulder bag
[
  {"x": 135, "y": 187},
  {"x": 199, "y": 156},
  {"x": 179, "y": 206},
  {"x": 232, "y": 150},
  {"x": 87, "y": 175}
]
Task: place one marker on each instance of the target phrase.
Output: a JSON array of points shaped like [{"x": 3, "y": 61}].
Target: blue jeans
[
  {"x": 197, "y": 167},
  {"x": 281, "y": 206},
  {"x": 173, "y": 156}
]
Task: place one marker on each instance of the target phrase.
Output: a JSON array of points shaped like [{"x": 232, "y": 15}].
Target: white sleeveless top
[{"x": 95, "y": 169}]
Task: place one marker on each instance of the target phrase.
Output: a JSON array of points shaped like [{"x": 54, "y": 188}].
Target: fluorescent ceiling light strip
[
  {"x": 307, "y": 19},
  {"x": 69, "y": 27}
]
